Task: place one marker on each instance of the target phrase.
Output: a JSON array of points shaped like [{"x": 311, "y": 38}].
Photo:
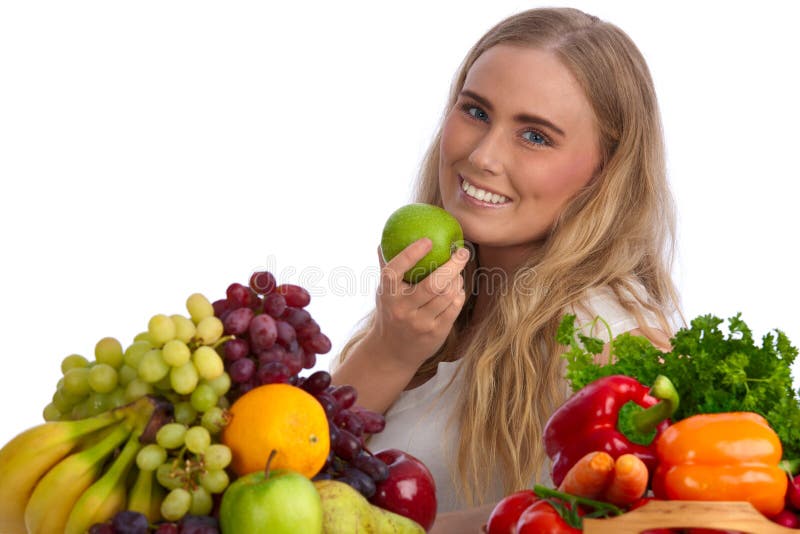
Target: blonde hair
[{"x": 618, "y": 231}]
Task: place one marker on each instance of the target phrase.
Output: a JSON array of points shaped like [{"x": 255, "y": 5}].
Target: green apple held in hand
[
  {"x": 271, "y": 502},
  {"x": 413, "y": 222}
]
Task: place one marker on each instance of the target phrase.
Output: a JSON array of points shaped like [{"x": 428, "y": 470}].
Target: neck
[
  {"x": 493, "y": 272},
  {"x": 508, "y": 259}
]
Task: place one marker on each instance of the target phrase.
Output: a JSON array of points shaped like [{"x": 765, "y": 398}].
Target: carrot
[
  {"x": 629, "y": 481},
  {"x": 590, "y": 475}
]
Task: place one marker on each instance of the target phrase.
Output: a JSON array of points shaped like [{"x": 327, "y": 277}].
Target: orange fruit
[{"x": 278, "y": 417}]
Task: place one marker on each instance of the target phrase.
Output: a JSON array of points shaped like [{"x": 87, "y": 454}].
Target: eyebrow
[{"x": 520, "y": 117}]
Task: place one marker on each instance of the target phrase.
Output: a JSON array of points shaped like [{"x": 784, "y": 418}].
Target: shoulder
[{"x": 607, "y": 311}]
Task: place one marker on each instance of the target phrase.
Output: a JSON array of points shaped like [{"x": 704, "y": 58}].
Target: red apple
[
  {"x": 504, "y": 516},
  {"x": 409, "y": 490}
]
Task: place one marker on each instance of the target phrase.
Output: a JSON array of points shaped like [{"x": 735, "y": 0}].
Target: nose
[{"x": 487, "y": 153}]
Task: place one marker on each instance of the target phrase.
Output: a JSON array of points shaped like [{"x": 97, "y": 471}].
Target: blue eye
[
  {"x": 535, "y": 137},
  {"x": 476, "y": 113}
]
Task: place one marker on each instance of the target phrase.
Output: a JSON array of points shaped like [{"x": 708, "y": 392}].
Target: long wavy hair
[{"x": 618, "y": 231}]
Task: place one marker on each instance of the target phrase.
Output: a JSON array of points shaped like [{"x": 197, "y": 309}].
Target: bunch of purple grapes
[
  {"x": 127, "y": 522},
  {"x": 349, "y": 460},
  {"x": 275, "y": 338}
]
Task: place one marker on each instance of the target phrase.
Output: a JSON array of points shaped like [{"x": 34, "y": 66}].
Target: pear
[{"x": 346, "y": 511}]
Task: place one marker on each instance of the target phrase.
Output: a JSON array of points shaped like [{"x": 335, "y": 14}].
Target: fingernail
[{"x": 462, "y": 254}]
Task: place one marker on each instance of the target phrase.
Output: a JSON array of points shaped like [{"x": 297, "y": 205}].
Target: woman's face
[{"x": 519, "y": 143}]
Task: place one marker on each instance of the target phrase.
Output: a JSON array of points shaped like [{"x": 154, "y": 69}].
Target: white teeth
[{"x": 480, "y": 194}]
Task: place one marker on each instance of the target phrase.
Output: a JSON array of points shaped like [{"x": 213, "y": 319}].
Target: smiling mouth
[{"x": 481, "y": 194}]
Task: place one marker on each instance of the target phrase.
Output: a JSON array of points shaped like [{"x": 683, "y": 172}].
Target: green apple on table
[
  {"x": 271, "y": 502},
  {"x": 415, "y": 221}
]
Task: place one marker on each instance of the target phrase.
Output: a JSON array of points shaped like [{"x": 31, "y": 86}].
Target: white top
[{"x": 417, "y": 421}]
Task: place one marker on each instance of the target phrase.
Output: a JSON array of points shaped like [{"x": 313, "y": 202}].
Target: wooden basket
[{"x": 739, "y": 516}]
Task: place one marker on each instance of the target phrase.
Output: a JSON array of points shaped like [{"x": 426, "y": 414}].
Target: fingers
[
  {"x": 441, "y": 281},
  {"x": 418, "y": 317},
  {"x": 405, "y": 259},
  {"x": 451, "y": 301},
  {"x": 442, "y": 287},
  {"x": 432, "y": 296},
  {"x": 450, "y": 313},
  {"x": 381, "y": 261}
]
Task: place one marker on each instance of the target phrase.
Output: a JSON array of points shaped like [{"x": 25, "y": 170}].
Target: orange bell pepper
[{"x": 721, "y": 457}]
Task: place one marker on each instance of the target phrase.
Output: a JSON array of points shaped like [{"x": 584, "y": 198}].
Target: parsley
[{"x": 712, "y": 371}]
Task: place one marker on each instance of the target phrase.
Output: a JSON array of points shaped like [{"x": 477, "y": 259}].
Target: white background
[{"x": 152, "y": 149}]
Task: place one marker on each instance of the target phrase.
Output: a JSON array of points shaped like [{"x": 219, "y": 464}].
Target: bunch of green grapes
[
  {"x": 189, "y": 465},
  {"x": 176, "y": 358}
]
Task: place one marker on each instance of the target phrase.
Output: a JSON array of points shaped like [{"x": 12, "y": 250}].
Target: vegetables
[
  {"x": 505, "y": 514},
  {"x": 600, "y": 417},
  {"x": 712, "y": 372},
  {"x": 545, "y": 510},
  {"x": 590, "y": 475},
  {"x": 629, "y": 482},
  {"x": 793, "y": 491},
  {"x": 786, "y": 518},
  {"x": 721, "y": 457},
  {"x": 543, "y": 517},
  {"x": 560, "y": 513},
  {"x": 597, "y": 475}
]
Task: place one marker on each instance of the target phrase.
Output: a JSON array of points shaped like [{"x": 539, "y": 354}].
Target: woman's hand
[
  {"x": 411, "y": 323},
  {"x": 413, "y": 320}
]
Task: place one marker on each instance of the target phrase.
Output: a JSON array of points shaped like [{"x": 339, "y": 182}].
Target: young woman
[{"x": 551, "y": 157}]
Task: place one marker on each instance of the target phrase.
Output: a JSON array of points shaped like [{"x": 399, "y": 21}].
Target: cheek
[
  {"x": 447, "y": 150},
  {"x": 454, "y": 142},
  {"x": 566, "y": 176}
]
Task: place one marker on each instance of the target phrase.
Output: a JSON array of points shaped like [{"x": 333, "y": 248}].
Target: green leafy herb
[{"x": 712, "y": 371}]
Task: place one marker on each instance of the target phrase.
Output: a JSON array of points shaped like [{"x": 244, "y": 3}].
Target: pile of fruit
[{"x": 205, "y": 423}]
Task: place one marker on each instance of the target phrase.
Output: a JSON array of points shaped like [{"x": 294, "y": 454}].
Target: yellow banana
[
  {"x": 31, "y": 454},
  {"x": 144, "y": 496},
  {"x": 159, "y": 493},
  {"x": 53, "y": 497},
  {"x": 107, "y": 495}
]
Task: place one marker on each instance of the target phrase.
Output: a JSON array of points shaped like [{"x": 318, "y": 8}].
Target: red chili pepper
[{"x": 590, "y": 421}]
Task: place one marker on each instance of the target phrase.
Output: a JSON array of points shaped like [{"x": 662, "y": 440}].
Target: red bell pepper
[{"x": 590, "y": 421}]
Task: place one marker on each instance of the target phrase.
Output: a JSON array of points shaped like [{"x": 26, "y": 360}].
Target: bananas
[
  {"x": 107, "y": 495},
  {"x": 54, "y": 471},
  {"x": 52, "y": 499},
  {"x": 146, "y": 495}
]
